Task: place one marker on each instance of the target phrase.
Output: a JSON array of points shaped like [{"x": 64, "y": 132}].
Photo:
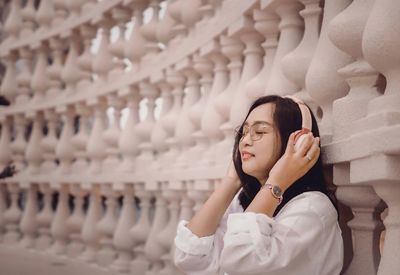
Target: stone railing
[{"x": 122, "y": 113}]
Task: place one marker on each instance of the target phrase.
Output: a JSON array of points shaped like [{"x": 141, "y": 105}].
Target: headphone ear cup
[{"x": 298, "y": 141}]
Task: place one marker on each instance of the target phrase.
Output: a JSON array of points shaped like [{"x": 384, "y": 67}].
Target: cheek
[{"x": 270, "y": 157}]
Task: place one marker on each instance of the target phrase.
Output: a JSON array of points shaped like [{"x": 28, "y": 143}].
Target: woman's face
[{"x": 260, "y": 144}]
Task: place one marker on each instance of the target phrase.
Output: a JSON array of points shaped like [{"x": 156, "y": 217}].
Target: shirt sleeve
[
  {"x": 201, "y": 255},
  {"x": 255, "y": 243}
]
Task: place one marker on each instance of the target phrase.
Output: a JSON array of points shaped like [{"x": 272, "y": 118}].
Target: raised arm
[{"x": 206, "y": 220}]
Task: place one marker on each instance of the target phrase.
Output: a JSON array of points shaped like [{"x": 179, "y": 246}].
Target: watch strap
[{"x": 276, "y": 191}]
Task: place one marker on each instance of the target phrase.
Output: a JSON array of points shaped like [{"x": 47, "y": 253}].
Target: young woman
[{"x": 272, "y": 213}]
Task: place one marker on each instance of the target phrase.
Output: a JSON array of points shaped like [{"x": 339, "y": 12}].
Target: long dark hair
[{"x": 287, "y": 119}]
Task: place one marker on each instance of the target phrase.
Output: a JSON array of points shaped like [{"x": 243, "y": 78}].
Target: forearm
[
  {"x": 264, "y": 202},
  {"x": 206, "y": 220}
]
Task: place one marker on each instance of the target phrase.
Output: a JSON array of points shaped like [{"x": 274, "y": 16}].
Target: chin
[{"x": 249, "y": 171}]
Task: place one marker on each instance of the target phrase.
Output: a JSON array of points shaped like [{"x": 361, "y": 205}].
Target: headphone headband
[{"x": 306, "y": 121}]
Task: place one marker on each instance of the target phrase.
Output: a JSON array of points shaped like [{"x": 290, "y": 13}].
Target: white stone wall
[{"x": 93, "y": 190}]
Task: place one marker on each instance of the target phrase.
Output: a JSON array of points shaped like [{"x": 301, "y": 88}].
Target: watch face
[{"x": 277, "y": 191}]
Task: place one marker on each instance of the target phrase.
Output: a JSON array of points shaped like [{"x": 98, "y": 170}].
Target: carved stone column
[
  {"x": 128, "y": 140},
  {"x": 153, "y": 248},
  {"x": 28, "y": 223},
  {"x": 44, "y": 218},
  {"x": 34, "y": 150},
  {"x": 75, "y": 221},
  {"x": 106, "y": 227},
  {"x": 122, "y": 240},
  {"x": 90, "y": 236},
  {"x": 323, "y": 83},
  {"x": 140, "y": 231},
  {"x": 365, "y": 226},
  {"x": 59, "y": 229},
  {"x": 12, "y": 216}
]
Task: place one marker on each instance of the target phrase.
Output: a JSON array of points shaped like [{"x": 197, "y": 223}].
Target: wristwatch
[{"x": 276, "y": 191}]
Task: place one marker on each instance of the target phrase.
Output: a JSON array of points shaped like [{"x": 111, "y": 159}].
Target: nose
[{"x": 246, "y": 139}]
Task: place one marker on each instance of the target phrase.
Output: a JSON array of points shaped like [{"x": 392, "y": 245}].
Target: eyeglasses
[{"x": 257, "y": 130}]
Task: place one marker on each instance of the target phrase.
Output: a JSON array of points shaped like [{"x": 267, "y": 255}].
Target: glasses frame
[{"x": 252, "y": 130}]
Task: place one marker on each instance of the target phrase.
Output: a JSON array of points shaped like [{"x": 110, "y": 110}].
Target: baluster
[
  {"x": 44, "y": 15},
  {"x": 71, "y": 72},
  {"x": 149, "y": 32},
  {"x": 190, "y": 13},
  {"x": 102, "y": 63},
  {"x": 359, "y": 74},
  {"x": 106, "y": 227},
  {"x": 159, "y": 135},
  {"x": 34, "y": 150},
  {"x": 185, "y": 127},
  {"x": 141, "y": 231},
  {"x": 24, "y": 77},
  {"x": 179, "y": 31},
  {"x": 165, "y": 25},
  {"x": 251, "y": 66},
  {"x": 176, "y": 81},
  {"x": 8, "y": 86},
  {"x": 233, "y": 49},
  {"x": 12, "y": 216},
  {"x": 121, "y": 16},
  {"x": 384, "y": 58},
  {"x": 291, "y": 30},
  {"x": 128, "y": 141},
  {"x": 85, "y": 60},
  {"x": 135, "y": 46},
  {"x": 90, "y": 236},
  {"x": 60, "y": 12},
  {"x": 74, "y": 8},
  {"x": 365, "y": 225},
  {"x": 145, "y": 127},
  {"x": 153, "y": 248},
  {"x": 5, "y": 140},
  {"x": 59, "y": 229},
  {"x": 75, "y": 221},
  {"x": 19, "y": 144},
  {"x": 49, "y": 143},
  {"x": 40, "y": 82},
  {"x": 3, "y": 208},
  {"x": 80, "y": 140},
  {"x": 54, "y": 71},
  {"x": 28, "y": 224},
  {"x": 266, "y": 22},
  {"x": 212, "y": 120},
  {"x": 96, "y": 147},
  {"x": 112, "y": 134},
  {"x": 205, "y": 68},
  {"x": 65, "y": 149},
  {"x": 166, "y": 236},
  {"x": 296, "y": 63},
  {"x": 44, "y": 218},
  {"x": 28, "y": 16},
  {"x": 122, "y": 240},
  {"x": 13, "y": 24},
  {"x": 323, "y": 83}
]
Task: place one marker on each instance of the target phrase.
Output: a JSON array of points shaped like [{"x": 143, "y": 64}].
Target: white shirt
[{"x": 304, "y": 238}]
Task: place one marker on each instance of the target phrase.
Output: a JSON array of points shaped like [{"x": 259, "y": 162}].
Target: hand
[
  {"x": 232, "y": 176},
  {"x": 295, "y": 163}
]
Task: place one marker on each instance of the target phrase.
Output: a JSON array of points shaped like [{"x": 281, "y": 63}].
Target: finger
[
  {"x": 290, "y": 143},
  {"x": 305, "y": 145},
  {"x": 312, "y": 155}
]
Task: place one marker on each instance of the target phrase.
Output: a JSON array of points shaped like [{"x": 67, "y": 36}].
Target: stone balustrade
[{"x": 121, "y": 115}]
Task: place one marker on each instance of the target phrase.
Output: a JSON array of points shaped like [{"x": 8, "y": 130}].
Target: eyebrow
[{"x": 260, "y": 122}]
